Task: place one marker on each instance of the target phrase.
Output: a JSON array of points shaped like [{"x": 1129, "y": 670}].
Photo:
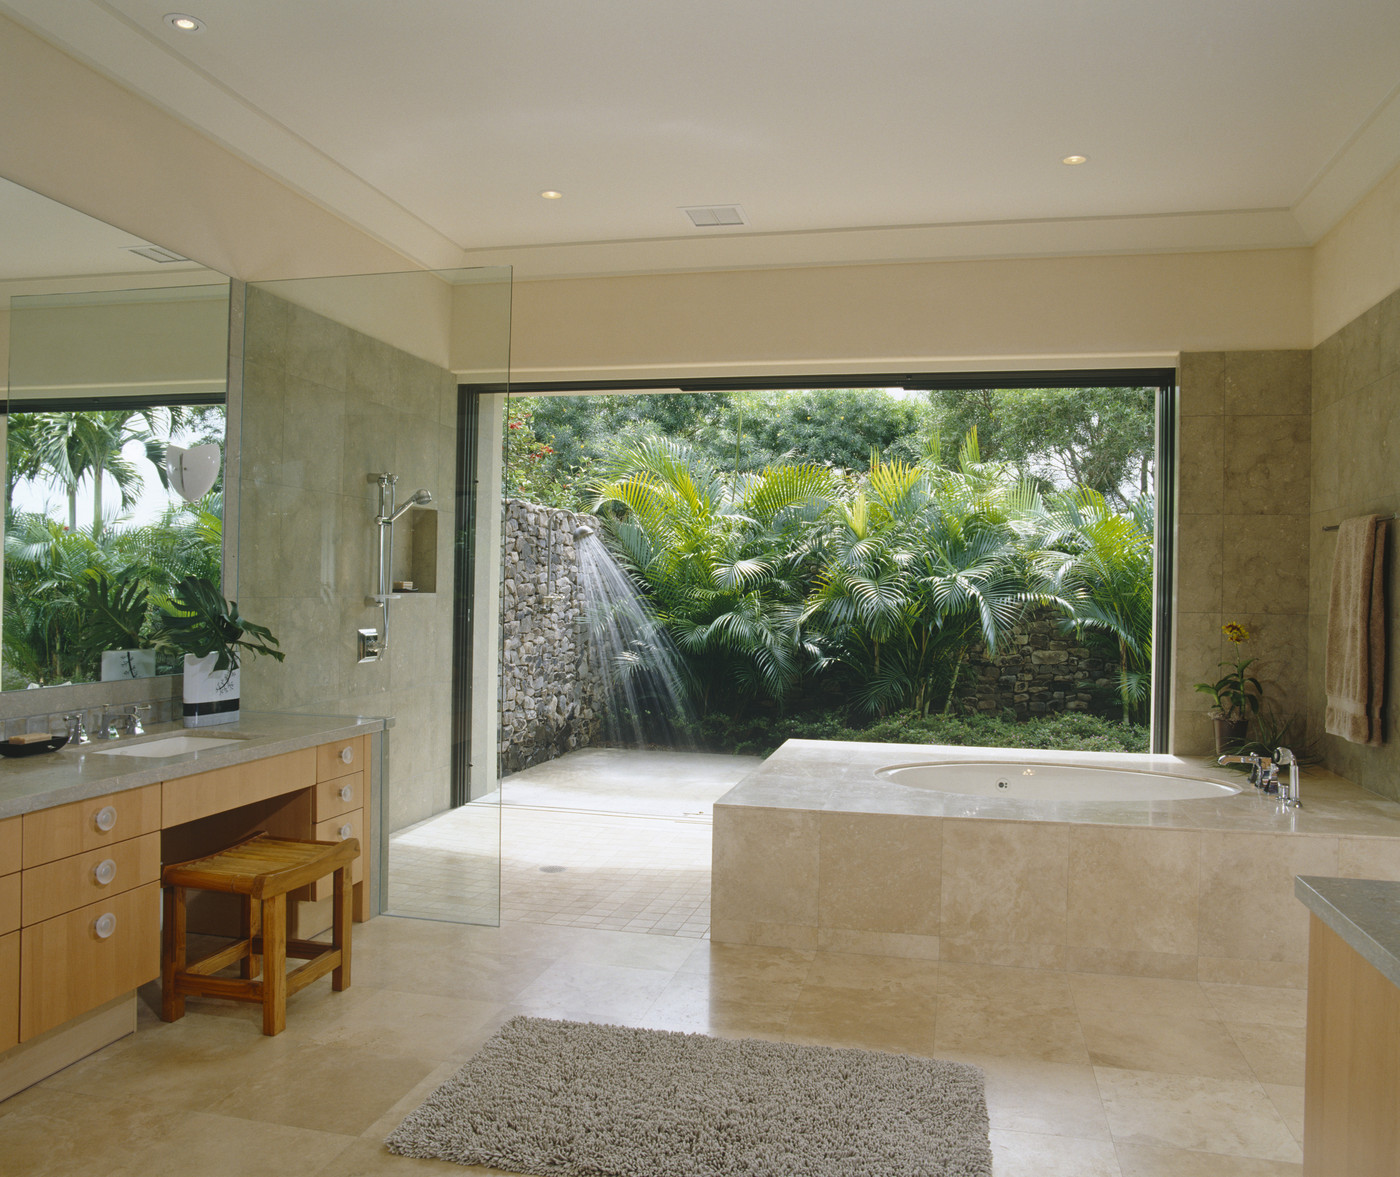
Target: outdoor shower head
[
  {"x": 419, "y": 498},
  {"x": 582, "y": 531}
]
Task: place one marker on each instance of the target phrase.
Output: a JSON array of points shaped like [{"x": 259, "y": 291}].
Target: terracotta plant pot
[{"x": 1229, "y": 735}]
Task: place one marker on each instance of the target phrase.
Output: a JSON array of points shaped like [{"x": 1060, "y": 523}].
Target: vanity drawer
[
  {"x": 339, "y": 796},
  {"x": 10, "y": 841},
  {"x": 58, "y": 887},
  {"x": 9, "y": 991},
  {"x": 341, "y": 758},
  {"x": 337, "y": 829},
  {"x": 9, "y": 903},
  {"x": 78, "y": 961},
  {"x": 204, "y": 793},
  {"x": 66, "y": 830}
]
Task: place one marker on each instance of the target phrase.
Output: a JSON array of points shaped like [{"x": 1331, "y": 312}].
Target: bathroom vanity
[
  {"x": 1351, "y": 1110},
  {"x": 85, "y": 831}
]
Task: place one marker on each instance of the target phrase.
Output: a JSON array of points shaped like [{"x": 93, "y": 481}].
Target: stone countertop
[
  {"x": 75, "y": 773},
  {"x": 840, "y": 777},
  {"x": 1363, "y": 912}
]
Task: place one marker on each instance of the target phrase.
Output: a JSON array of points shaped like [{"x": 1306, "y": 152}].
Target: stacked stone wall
[
  {"x": 1043, "y": 670},
  {"x": 548, "y": 682}
]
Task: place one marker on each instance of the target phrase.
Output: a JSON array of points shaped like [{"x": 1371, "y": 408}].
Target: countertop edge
[
  {"x": 1365, "y": 913},
  {"x": 255, "y": 745}
]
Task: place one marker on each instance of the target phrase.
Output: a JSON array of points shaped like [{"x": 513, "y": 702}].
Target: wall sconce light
[{"x": 192, "y": 471}]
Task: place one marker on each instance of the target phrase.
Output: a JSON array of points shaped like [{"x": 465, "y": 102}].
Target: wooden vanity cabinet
[
  {"x": 10, "y": 856},
  {"x": 89, "y": 905},
  {"x": 339, "y": 812}
]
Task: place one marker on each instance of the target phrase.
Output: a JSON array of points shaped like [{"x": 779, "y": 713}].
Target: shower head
[
  {"x": 582, "y": 531},
  {"x": 419, "y": 498}
]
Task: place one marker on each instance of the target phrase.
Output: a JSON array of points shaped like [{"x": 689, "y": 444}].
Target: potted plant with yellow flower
[{"x": 1236, "y": 696}]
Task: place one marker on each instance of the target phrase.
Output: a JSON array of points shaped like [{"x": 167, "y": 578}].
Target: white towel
[{"x": 1355, "y": 674}]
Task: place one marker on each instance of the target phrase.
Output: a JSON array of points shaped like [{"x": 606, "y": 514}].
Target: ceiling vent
[
  {"x": 154, "y": 253},
  {"x": 714, "y": 216}
]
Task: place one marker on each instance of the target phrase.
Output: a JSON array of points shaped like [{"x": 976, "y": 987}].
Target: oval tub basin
[{"x": 1051, "y": 782}]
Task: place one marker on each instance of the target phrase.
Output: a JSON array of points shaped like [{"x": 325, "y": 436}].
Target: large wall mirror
[{"x": 115, "y": 350}]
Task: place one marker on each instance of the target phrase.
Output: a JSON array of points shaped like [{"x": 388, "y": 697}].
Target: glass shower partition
[{"x": 349, "y": 407}]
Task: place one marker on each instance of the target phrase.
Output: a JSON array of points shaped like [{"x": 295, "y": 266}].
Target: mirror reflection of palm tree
[{"x": 66, "y": 447}]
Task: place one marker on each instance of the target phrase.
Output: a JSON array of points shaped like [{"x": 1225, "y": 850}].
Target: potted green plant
[
  {"x": 1236, "y": 695},
  {"x": 114, "y": 624},
  {"x": 208, "y": 630}
]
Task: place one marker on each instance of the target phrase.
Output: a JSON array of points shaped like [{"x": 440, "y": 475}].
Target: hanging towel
[{"x": 1355, "y": 674}]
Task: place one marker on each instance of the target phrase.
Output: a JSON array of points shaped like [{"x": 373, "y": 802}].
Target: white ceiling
[{"x": 847, "y": 131}]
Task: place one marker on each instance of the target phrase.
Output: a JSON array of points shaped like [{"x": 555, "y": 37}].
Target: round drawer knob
[
  {"x": 347, "y": 792},
  {"x": 105, "y": 819},
  {"x": 346, "y": 830},
  {"x": 347, "y": 755},
  {"x": 104, "y": 925},
  {"x": 105, "y": 871}
]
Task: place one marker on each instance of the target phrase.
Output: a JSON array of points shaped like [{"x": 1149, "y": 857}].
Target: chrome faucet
[
  {"x": 1261, "y": 772},
  {"x": 1289, "y": 793},
  {"x": 77, "y": 732},
  {"x": 123, "y": 721}
]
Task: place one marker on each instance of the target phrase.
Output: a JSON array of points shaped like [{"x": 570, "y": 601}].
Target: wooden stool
[{"x": 264, "y": 869}]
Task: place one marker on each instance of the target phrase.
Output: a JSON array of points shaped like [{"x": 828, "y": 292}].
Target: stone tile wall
[
  {"x": 1356, "y": 471},
  {"x": 1189, "y": 904},
  {"x": 324, "y": 407},
  {"x": 1243, "y": 529}
]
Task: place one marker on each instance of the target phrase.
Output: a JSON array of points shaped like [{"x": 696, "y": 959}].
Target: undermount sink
[{"x": 176, "y": 745}]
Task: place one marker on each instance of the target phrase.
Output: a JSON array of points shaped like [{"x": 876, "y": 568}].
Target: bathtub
[
  {"x": 1089, "y": 862},
  {"x": 1052, "y": 782}
]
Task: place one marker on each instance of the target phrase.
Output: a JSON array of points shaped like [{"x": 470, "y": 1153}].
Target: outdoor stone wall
[
  {"x": 548, "y": 681},
  {"x": 1041, "y": 671}
]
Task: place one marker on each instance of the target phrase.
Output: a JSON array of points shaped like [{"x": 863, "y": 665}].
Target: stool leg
[
  {"x": 274, "y": 933},
  {"x": 250, "y": 925},
  {"x": 172, "y": 957},
  {"x": 340, "y": 928}
]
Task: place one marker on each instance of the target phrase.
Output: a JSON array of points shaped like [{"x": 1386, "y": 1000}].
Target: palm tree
[
  {"x": 68, "y": 446},
  {"x": 1097, "y": 563},
  {"x": 720, "y": 558}
]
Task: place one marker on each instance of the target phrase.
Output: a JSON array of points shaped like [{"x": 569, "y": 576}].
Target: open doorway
[{"x": 764, "y": 531}]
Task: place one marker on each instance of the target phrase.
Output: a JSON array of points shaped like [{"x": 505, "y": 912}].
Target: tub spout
[
  {"x": 1262, "y": 771},
  {"x": 1289, "y": 793}
]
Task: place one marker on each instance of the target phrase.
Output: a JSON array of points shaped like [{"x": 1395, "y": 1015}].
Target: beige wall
[
  {"x": 323, "y": 407},
  {"x": 1358, "y": 262},
  {"x": 1041, "y": 313}
]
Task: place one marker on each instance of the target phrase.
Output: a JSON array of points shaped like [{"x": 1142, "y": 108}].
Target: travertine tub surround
[{"x": 814, "y": 851}]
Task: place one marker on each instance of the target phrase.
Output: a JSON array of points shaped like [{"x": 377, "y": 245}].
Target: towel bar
[{"x": 1380, "y": 518}]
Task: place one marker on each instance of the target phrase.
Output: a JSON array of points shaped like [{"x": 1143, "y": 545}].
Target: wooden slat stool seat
[{"x": 263, "y": 869}]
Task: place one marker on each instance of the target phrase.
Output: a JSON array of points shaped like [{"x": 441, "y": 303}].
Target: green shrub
[{"x": 758, "y": 735}]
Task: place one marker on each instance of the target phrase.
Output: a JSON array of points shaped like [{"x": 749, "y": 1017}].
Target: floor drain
[{"x": 551, "y": 870}]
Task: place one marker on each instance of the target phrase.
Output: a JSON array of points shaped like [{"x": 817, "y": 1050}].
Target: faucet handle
[
  {"x": 77, "y": 732},
  {"x": 134, "y": 726}
]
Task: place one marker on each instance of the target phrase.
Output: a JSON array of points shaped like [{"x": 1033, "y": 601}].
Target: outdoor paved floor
[{"x": 603, "y": 838}]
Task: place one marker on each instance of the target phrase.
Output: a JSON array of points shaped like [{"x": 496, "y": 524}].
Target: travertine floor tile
[
  {"x": 1101, "y": 993},
  {"x": 1229, "y": 1116},
  {"x": 902, "y": 1024},
  {"x": 1056, "y": 1099},
  {"x": 1145, "y": 1161},
  {"x": 1259, "y": 1004},
  {"x": 969, "y": 1026},
  {"x": 1023, "y": 1154},
  {"x": 1276, "y": 1053},
  {"x": 1028, "y": 990},
  {"x": 1289, "y": 1102},
  {"x": 1137, "y": 1041}
]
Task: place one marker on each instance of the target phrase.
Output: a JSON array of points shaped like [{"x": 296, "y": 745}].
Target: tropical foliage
[
  {"x": 76, "y": 587},
  {"x": 879, "y": 584}
]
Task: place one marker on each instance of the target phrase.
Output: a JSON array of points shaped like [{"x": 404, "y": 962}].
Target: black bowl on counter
[{"x": 52, "y": 744}]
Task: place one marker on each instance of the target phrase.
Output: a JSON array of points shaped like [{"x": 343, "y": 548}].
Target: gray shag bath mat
[{"x": 572, "y": 1099}]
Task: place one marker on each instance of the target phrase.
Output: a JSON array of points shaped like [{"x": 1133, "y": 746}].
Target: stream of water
[{"x": 646, "y": 698}]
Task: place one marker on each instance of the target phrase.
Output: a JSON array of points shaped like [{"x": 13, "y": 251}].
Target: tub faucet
[
  {"x": 1262, "y": 771},
  {"x": 1289, "y": 793}
]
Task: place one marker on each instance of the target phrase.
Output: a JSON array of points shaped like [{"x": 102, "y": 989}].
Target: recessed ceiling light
[
  {"x": 183, "y": 23},
  {"x": 1075, "y": 159},
  {"x": 551, "y": 194}
]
